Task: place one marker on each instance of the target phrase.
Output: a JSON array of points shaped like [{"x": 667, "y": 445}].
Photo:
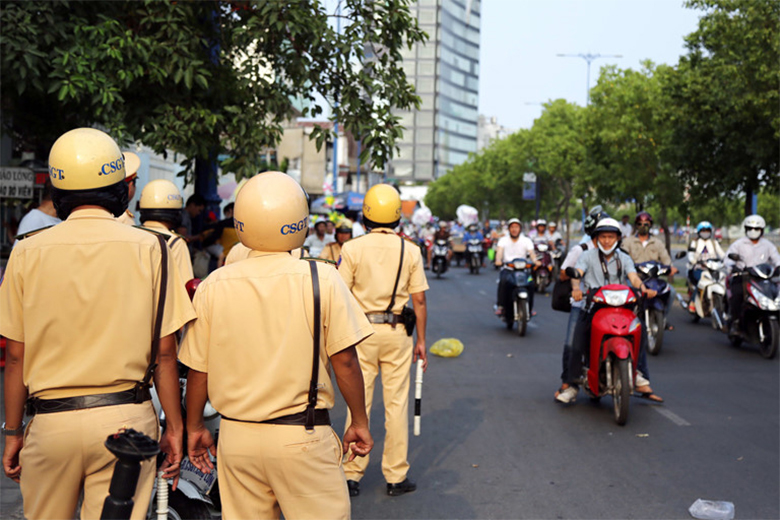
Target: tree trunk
[
  {"x": 665, "y": 228},
  {"x": 748, "y": 200}
]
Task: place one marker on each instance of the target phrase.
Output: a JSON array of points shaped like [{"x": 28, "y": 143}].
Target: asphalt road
[{"x": 495, "y": 444}]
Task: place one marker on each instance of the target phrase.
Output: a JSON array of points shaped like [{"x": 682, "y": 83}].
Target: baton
[{"x": 418, "y": 380}]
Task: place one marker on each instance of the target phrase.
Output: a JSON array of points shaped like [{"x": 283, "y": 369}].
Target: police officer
[
  {"x": 370, "y": 266},
  {"x": 79, "y": 354},
  {"x": 132, "y": 163},
  {"x": 251, "y": 352},
  {"x": 332, "y": 251},
  {"x": 160, "y": 206}
]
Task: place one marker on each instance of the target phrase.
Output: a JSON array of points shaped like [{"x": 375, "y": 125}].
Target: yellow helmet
[
  {"x": 344, "y": 225},
  {"x": 271, "y": 213},
  {"x": 161, "y": 194},
  {"x": 382, "y": 205},
  {"x": 85, "y": 159},
  {"x": 132, "y": 163}
]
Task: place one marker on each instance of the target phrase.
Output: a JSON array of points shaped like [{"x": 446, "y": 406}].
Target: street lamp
[{"x": 589, "y": 58}]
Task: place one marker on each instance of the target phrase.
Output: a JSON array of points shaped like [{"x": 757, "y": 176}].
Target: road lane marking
[
  {"x": 676, "y": 419},
  {"x": 483, "y": 293}
]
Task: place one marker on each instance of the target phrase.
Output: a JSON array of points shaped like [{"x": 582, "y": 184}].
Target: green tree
[
  {"x": 203, "y": 79},
  {"x": 725, "y": 99}
]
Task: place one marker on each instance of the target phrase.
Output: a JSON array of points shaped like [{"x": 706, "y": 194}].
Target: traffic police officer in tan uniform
[
  {"x": 251, "y": 353},
  {"x": 160, "y": 206},
  {"x": 132, "y": 163},
  {"x": 332, "y": 251},
  {"x": 77, "y": 304},
  {"x": 369, "y": 266}
]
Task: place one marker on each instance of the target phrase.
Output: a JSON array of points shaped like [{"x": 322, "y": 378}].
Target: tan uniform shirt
[
  {"x": 254, "y": 332},
  {"x": 127, "y": 218},
  {"x": 652, "y": 249},
  {"x": 369, "y": 265},
  {"x": 331, "y": 252},
  {"x": 82, "y": 297},
  {"x": 240, "y": 252},
  {"x": 181, "y": 253}
]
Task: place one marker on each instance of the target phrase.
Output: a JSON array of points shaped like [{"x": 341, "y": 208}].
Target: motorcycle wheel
[
  {"x": 657, "y": 324},
  {"x": 522, "y": 317},
  {"x": 768, "y": 347},
  {"x": 181, "y": 507},
  {"x": 716, "y": 313},
  {"x": 621, "y": 391}
]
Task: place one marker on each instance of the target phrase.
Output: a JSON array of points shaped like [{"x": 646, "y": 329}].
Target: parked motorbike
[
  {"x": 760, "y": 320},
  {"x": 439, "y": 257},
  {"x": 474, "y": 253},
  {"x": 543, "y": 272},
  {"x": 653, "y": 310},
  {"x": 516, "y": 306},
  {"x": 615, "y": 338},
  {"x": 710, "y": 293}
]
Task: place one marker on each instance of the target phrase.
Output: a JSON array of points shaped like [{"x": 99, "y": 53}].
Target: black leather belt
[
  {"x": 384, "y": 317},
  {"x": 321, "y": 418},
  {"x": 81, "y": 402}
]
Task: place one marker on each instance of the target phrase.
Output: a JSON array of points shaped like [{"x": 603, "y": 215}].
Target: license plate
[{"x": 203, "y": 481}]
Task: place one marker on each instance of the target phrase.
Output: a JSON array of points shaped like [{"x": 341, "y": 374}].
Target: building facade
[
  {"x": 445, "y": 72},
  {"x": 489, "y": 130}
]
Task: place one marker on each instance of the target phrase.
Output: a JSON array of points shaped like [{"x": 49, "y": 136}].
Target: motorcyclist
[
  {"x": 592, "y": 265},
  {"x": 644, "y": 247},
  {"x": 555, "y": 235},
  {"x": 442, "y": 233},
  {"x": 701, "y": 249},
  {"x": 473, "y": 233},
  {"x": 541, "y": 231},
  {"x": 516, "y": 245},
  {"x": 752, "y": 250}
]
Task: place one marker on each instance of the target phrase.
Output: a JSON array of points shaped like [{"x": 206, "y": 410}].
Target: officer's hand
[
  {"x": 171, "y": 445},
  {"x": 13, "y": 445},
  {"x": 421, "y": 352},
  {"x": 359, "y": 439},
  {"x": 576, "y": 294},
  {"x": 199, "y": 444}
]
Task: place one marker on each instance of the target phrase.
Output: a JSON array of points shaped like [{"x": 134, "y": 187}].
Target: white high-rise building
[{"x": 488, "y": 129}]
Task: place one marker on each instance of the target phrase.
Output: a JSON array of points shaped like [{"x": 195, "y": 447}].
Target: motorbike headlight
[
  {"x": 766, "y": 303},
  {"x": 523, "y": 294},
  {"x": 616, "y": 298}
]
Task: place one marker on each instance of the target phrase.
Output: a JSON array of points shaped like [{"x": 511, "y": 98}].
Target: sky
[{"x": 520, "y": 39}]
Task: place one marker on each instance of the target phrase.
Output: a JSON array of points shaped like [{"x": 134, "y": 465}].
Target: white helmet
[
  {"x": 161, "y": 194},
  {"x": 754, "y": 226},
  {"x": 271, "y": 213},
  {"x": 541, "y": 222},
  {"x": 514, "y": 221},
  {"x": 608, "y": 224}
]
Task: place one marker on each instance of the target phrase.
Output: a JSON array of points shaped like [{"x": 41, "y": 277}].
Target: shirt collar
[
  {"x": 386, "y": 231},
  {"x": 90, "y": 213}
]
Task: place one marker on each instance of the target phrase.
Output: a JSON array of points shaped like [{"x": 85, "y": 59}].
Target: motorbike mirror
[
  {"x": 680, "y": 254},
  {"x": 735, "y": 257},
  {"x": 571, "y": 272}
]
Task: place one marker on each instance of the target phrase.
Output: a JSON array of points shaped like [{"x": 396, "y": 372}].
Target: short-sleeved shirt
[
  {"x": 253, "y": 335},
  {"x": 331, "y": 252},
  {"x": 181, "y": 253},
  {"x": 590, "y": 263},
  {"x": 651, "y": 249},
  {"x": 82, "y": 297},
  {"x": 523, "y": 247},
  {"x": 369, "y": 265},
  {"x": 571, "y": 261},
  {"x": 35, "y": 219},
  {"x": 315, "y": 244}
]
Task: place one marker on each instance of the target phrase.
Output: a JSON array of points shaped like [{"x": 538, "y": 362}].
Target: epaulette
[
  {"x": 410, "y": 240},
  {"x": 33, "y": 232},
  {"x": 154, "y": 231},
  {"x": 323, "y": 260},
  {"x": 171, "y": 237}
]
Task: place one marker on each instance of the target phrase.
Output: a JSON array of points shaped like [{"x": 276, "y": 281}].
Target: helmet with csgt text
[
  {"x": 608, "y": 225},
  {"x": 271, "y": 213},
  {"x": 382, "y": 206},
  {"x": 85, "y": 159},
  {"x": 161, "y": 194}
]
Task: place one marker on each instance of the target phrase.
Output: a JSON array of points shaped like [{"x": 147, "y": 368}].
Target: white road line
[
  {"x": 483, "y": 293},
  {"x": 676, "y": 419}
]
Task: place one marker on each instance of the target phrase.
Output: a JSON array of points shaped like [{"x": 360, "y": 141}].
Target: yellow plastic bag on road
[{"x": 447, "y": 347}]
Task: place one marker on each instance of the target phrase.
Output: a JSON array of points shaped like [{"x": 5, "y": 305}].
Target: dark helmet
[
  {"x": 643, "y": 216},
  {"x": 592, "y": 219}
]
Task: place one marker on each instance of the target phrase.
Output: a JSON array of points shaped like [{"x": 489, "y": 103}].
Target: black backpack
[{"x": 561, "y": 293}]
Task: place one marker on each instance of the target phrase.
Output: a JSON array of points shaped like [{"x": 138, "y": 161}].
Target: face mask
[
  {"x": 643, "y": 230},
  {"x": 607, "y": 251},
  {"x": 705, "y": 235},
  {"x": 753, "y": 234}
]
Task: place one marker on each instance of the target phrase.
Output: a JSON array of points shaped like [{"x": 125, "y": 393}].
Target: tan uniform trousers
[
  {"x": 268, "y": 469},
  {"x": 64, "y": 452},
  {"x": 389, "y": 351}
]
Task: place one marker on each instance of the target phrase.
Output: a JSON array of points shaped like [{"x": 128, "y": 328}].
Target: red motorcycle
[{"x": 615, "y": 336}]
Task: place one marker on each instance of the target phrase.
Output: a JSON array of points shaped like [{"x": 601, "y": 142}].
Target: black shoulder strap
[
  {"x": 397, "y": 277},
  {"x": 173, "y": 240},
  {"x": 158, "y": 321},
  {"x": 315, "y": 369},
  {"x": 603, "y": 262},
  {"x": 584, "y": 246}
]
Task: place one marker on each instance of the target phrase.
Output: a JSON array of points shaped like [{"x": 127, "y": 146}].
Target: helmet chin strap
[{"x": 608, "y": 251}]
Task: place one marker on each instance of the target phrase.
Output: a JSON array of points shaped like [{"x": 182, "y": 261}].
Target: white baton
[{"x": 418, "y": 380}]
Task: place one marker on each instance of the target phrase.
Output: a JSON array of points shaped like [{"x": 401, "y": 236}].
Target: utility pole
[{"x": 589, "y": 58}]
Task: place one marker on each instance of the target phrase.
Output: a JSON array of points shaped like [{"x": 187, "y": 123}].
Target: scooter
[
  {"x": 710, "y": 294},
  {"x": 615, "y": 338},
  {"x": 474, "y": 253},
  {"x": 654, "y": 309},
  {"x": 439, "y": 257},
  {"x": 760, "y": 321},
  {"x": 516, "y": 307},
  {"x": 543, "y": 273}
]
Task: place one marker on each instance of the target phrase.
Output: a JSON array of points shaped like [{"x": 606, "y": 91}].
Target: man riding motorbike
[
  {"x": 752, "y": 250},
  {"x": 600, "y": 266},
  {"x": 644, "y": 247},
  {"x": 555, "y": 235},
  {"x": 441, "y": 234},
  {"x": 701, "y": 249},
  {"x": 511, "y": 247},
  {"x": 473, "y": 233}
]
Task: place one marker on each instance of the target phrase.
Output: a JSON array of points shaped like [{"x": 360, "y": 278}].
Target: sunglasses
[
  {"x": 753, "y": 228},
  {"x": 644, "y": 224}
]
